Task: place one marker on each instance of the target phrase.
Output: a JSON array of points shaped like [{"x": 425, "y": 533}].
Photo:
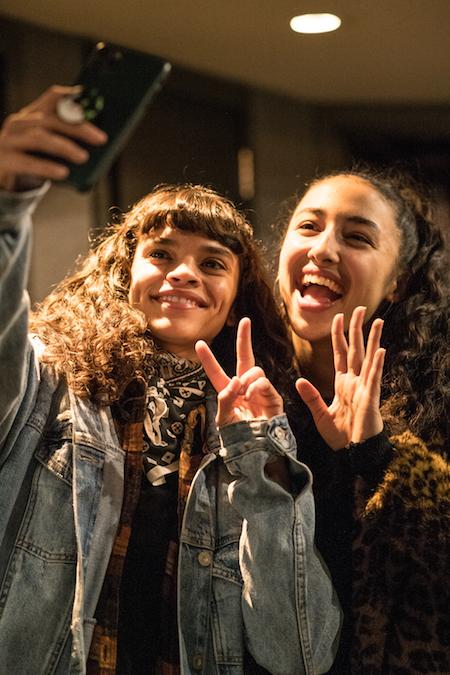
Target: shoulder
[{"x": 417, "y": 480}]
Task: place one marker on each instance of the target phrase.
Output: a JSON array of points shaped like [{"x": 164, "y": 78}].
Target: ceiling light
[{"x": 315, "y": 23}]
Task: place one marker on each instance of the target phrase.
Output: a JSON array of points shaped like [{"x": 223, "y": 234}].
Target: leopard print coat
[{"x": 401, "y": 580}]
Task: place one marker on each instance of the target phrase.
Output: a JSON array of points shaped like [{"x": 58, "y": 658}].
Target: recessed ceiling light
[{"x": 315, "y": 23}]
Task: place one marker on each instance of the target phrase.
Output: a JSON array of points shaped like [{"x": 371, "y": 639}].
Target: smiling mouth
[
  {"x": 180, "y": 301},
  {"x": 319, "y": 289}
]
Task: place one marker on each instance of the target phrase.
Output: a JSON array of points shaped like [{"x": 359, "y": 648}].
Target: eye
[
  {"x": 157, "y": 254},
  {"x": 307, "y": 226},
  {"x": 359, "y": 238},
  {"x": 214, "y": 264}
]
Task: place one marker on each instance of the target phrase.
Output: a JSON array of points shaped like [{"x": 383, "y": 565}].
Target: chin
[{"x": 311, "y": 331}]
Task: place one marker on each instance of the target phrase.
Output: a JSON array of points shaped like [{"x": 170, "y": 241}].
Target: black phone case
[{"x": 118, "y": 85}]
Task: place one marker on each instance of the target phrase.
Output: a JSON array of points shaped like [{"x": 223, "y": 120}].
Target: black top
[
  {"x": 155, "y": 523},
  {"x": 333, "y": 480}
]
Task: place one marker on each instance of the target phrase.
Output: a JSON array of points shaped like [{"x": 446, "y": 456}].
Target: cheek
[
  {"x": 230, "y": 290},
  {"x": 284, "y": 273},
  {"x": 293, "y": 249},
  {"x": 141, "y": 277},
  {"x": 228, "y": 299}
]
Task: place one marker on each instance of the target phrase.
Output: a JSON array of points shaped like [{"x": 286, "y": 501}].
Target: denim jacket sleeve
[
  {"x": 16, "y": 357},
  {"x": 291, "y": 613}
]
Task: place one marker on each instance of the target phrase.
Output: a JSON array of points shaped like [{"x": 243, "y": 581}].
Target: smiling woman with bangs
[{"x": 142, "y": 530}]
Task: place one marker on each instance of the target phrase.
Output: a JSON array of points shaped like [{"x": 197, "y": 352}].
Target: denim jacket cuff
[
  {"x": 15, "y": 206},
  {"x": 272, "y": 435}
]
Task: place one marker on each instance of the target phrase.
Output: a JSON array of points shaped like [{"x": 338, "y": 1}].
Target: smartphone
[{"x": 117, "y": 86}]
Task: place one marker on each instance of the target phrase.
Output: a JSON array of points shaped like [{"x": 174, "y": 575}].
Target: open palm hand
[{"x": 354, "y": 414}]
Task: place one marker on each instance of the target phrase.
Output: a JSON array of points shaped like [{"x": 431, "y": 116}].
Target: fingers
[
  {"x": 226, "y": 401},
  {"x": 375, "y": 375},
  {"x": 31, "y": 166},
  {"x": 244, "y": 349},
  {"x": 46, "y": 102},
  {"x": 25, "y": 121},
  {"x": 46, "y": 105},
  {"x": 237, "y": 401},
  {"x": 356, "y": 350},
  {"x": 373, "y": 344},
  {"x": 251, "y": 375},
  {"x": 340, "y": 346},
  {"x": 37, "y": 129},
  {"x": 214, "y": 371},
  {"x": 37, "y": 136},
  {"x": 264, "y": 398}
]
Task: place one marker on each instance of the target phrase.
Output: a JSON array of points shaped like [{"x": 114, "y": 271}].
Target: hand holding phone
[
  {"x": 36, "y": 145},
  {"x": 74, "y": 133}
]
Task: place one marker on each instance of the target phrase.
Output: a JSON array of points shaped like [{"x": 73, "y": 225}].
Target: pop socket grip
[
  {"x": 69, "y": 110},
  {"x": 81, "y": 107}
]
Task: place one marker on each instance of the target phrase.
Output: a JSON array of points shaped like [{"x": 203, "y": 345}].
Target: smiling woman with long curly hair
[
  {"x": 367, "y": 238},
  {"x": 98, "y": 341}
]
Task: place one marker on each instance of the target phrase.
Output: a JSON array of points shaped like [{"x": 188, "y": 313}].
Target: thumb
[
  {"x": 312, "y": 398},
  {"x": 226, "y": 399}
]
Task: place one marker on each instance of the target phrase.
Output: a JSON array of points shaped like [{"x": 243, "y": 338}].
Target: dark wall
[{"x": 196, "y": 131}]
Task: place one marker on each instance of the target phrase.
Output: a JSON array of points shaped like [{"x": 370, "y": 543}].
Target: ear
[
  {"x": 391, "y": 294},
  {"x": 396, "y": 289}
]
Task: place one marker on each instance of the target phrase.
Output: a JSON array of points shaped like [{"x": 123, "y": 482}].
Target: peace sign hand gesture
[
  {"x": 247, "y": 395},
  {"x": 354, "y": 414}
]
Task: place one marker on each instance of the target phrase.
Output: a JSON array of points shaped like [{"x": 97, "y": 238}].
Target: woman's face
[
  {"x": 340, "y": 251},
  {"x": 186, "y": 285}
]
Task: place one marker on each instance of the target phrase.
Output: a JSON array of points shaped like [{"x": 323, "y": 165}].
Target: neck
[
  {"x": 315, "y": 363},
  {"x": 189, "y": 354}
]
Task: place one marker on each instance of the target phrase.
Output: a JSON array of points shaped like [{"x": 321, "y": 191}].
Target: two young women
[
  {"x": 133, "y": 537},
  {"x": 354, "y": 241}
]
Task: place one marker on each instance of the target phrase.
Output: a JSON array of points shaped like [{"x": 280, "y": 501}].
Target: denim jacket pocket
[{"x": 40, "y": 575}]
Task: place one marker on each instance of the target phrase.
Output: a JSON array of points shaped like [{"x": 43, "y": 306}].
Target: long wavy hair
[
  {"x": 96, "y": 340},
  {"x": 416, "y": 383}
]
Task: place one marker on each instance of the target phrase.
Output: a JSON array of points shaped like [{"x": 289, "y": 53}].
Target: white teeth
[
  {"x": 179, "y": 300},
  {"x": 318, "y": 280}
]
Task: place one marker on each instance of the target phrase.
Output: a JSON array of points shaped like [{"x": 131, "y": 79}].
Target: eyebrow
[
  {"x": 211, "y": 248},
  {"x": 359, "y": 220}
]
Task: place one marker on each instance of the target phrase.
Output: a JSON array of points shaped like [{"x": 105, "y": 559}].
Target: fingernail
[
  {"x": 61, "y": 171},
  {"x": 100, "y": 135}
]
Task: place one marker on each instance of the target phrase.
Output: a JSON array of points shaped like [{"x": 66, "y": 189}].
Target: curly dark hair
[
  {"x": 96, "y": 340},
  {"x": 416, "y": 383}
]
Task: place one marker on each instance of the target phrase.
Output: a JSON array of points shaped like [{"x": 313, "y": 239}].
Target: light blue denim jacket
[{"x": 249, "y": 575}]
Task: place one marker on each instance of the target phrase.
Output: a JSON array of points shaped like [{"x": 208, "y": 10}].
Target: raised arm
[{"x": 35, "y": 128}]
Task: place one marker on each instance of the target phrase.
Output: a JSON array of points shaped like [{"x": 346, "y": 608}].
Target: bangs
[{"x": 197, "y": 210}]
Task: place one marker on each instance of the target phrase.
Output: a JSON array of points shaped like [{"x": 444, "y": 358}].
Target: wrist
[{"x": 362, "y": 435}]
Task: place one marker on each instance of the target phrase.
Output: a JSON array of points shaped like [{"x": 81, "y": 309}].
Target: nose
[
  {"x": 324, "y": 248},
  {"x": 184, "y": 273}
]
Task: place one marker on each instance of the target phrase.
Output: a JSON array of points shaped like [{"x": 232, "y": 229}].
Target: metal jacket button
[
  {"x": 205, "y": 558},
  {"x": 282, "y": 436},
  {"x": 197, "y": 662}
]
